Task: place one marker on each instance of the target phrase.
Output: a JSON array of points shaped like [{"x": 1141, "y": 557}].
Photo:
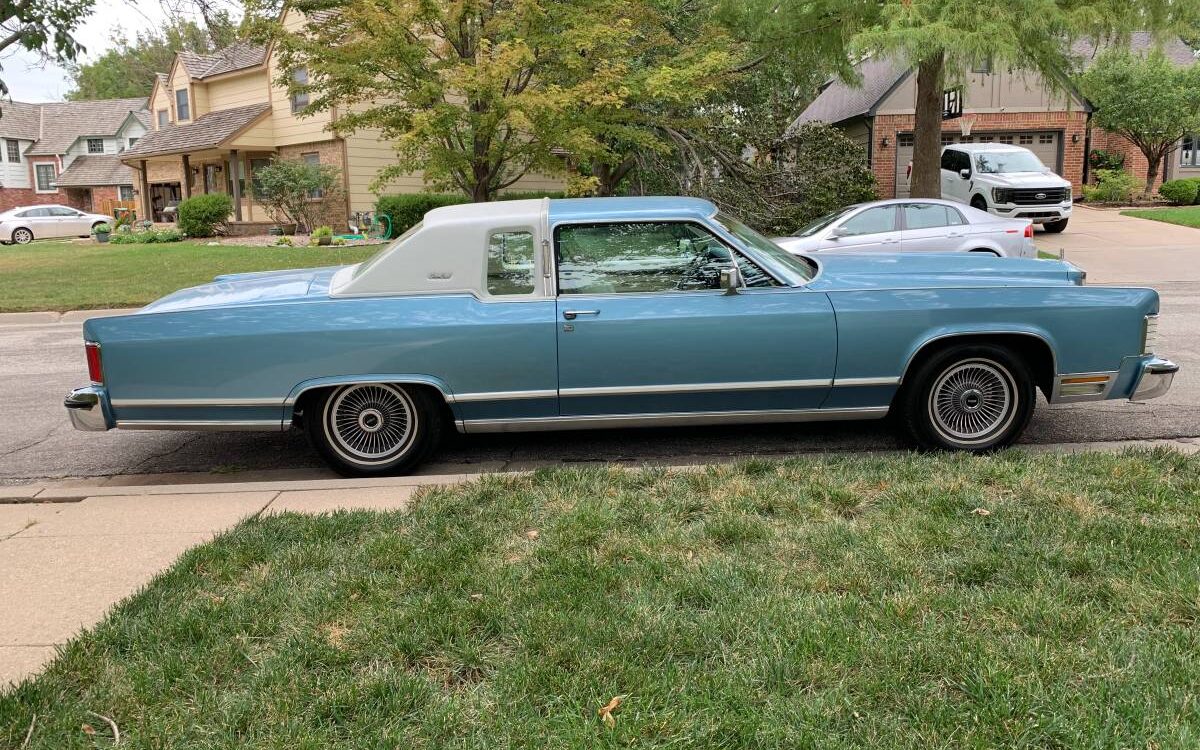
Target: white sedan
[
  {"x": 913, "y": 225},
  {"x": 27, "y": 223}
]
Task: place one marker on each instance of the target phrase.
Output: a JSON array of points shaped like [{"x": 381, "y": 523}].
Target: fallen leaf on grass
[
  {"x": 88, "y": 729},
  {"x": 532, "y": 534},
  {"x": 982, "y": 512},
  {"x": 606, "y": 711}
]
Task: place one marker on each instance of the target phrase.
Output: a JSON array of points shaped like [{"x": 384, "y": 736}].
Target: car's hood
[
  {"x": 937, "y": 270},
  {"x": 798, "y": 244},
  {"x": 1024, "y": 179},
  {"x": 248, "y": 289}
]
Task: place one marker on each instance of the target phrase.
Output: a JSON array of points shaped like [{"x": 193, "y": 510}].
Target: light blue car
[{"x": 615, "y": 312}]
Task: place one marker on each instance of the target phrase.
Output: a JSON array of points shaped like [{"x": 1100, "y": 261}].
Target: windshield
[
  {"x": 1003, "y": 162},
  {"x": 818, "y": 224},
  {"x": 774, "y": 253},
  {"x": 366, "y": 264}
]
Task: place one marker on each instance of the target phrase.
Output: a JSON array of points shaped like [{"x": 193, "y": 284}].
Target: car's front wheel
[
  {"x": 971, "y": 397},
  {"x": 373, "y": 429},
  {"x": 979, "y": 202},
  {"x": 1054, "y": 227},
  {"x": 22, "y": 236}
]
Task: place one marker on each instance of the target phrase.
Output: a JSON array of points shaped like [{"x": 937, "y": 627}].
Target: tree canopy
[{"x": 1147, "y": 99}]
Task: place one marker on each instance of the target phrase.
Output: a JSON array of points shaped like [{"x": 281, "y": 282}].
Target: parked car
[
  {"x": 1006, "y": 180},
  {"x": 616, "y": 312},
  {"x": 913, "y": 225},
  {"x": 28, "y": 223}
]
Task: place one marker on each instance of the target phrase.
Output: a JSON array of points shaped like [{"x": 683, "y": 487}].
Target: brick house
[
  {"x": 1005, "y": 106},
  {"x": 223, "y": 114},
  {"x": 68, "y": 152}
]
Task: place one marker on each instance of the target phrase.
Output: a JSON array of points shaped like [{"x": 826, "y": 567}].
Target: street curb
[
  {"x": 49, "y": 317},
  {"x": 57, "y": 493}
]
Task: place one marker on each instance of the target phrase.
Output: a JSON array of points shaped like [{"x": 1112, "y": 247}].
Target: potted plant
[
  {"x": 323, "y": 235},
  {"x": 102, "y": 231}
]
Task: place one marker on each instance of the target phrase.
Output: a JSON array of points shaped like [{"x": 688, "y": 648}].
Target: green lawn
[
  {"x": 1188, "y": 216},
  {"x": 900, "y": 602},
  {"x": 79, "y": 276}
]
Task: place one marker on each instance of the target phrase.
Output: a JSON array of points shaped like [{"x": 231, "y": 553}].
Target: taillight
[
  {"x": 1029, "y": 230},
  {"x": 95, "y": 371}
]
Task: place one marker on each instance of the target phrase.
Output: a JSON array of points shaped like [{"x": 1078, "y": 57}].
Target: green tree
[
  {"x": 43, "y": 26},
  {"x": 297, "y": 191},
  {"x": 1147, "y": 99},
  {"x": 128, "y": 69}
]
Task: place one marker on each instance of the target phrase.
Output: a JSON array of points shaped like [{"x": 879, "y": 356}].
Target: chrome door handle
[{"x": 572, "y": 314}]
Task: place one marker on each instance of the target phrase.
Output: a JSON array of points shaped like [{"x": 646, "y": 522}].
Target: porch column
[
  {"x": 236, "y": 183},
  {"x": 146, "y": 215},
  {"x": 187, "y": 178}
]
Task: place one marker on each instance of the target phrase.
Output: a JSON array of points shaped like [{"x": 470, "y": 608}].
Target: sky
[{"x": 30, "y": 79}]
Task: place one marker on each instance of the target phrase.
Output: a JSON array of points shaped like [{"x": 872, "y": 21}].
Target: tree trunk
[
  {"x": 927, "y": 139},
  {"x": 1152, "y": 163}
]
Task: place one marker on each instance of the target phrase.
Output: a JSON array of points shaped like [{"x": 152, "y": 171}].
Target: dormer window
[
  {"x": 300, "y": 98},
  {"x": 95, "y": 145},
  {"x": 163, "y": 119},
  {"x": 182, "y": 112}
]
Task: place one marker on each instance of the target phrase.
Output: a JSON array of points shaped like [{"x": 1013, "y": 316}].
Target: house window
[
  {"x": 181, "y": 106},
  {"x": 1006, "y": 139},
  {"x": 904, "y": 140},
  {"x": 125, "y": 192},
  {"x": 1025, "y": 140},
  {"x": 982, "y": 66},
  {"x": 300, "y": 98},
  {"x": 45, "y": 178},
  {"x": 255, "y": 165},
  {"x": 1046, "y": 138},
  {"x": 14, "y": 150},
  {"x": 315, "y": 160},
  {"x": 132, "y": 141},
  {"x": 95, "y": 145},
  {"x": 163, "y": 119},
  {"x": 947, "y": 139},
  {"x": 985, "y": 139},
  {"x": 1189, "y": 151}
]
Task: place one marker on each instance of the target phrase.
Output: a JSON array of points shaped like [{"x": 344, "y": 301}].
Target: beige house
[{"x": 217, "y": 118}]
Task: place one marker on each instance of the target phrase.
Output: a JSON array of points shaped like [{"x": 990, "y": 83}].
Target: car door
[
  {"x": 874, "y": 229},
  {"x": 645, "y": 330},
  {"x": 931, "y": 227},
  {"x": 39, "y": 221},
  {"x": 954, "y": 187},
  {"x": 67, "y": 222}
]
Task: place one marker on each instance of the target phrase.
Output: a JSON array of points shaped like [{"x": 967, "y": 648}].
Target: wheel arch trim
[
  {"x": 1033, "y": 334},
  {"x": 301, "y": 388}
]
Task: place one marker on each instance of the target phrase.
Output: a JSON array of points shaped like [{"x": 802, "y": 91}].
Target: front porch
[{"x": 166, "y": 180}]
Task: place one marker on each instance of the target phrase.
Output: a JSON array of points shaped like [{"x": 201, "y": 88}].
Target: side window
[
  {"x": 948, "y": 160},
  {"x": 35, "y": 213},
  {"x": 63, "y": 212},
  {"x": 955, "y": 218},
  {"x": 510, "y": 263},
  {"x": 925, "y": 216},
  {"x": 961, "y": 161},
  {"x": 872, "y": 221},
  {"x": 639, "y": 257}
]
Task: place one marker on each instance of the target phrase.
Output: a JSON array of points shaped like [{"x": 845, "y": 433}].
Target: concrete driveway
[{"x": 1118, "y": 249}]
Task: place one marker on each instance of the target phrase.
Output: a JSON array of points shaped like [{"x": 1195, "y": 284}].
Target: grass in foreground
[
  {"x": 81, "y": 276},
  {"x": 1188, "y": 216},
  {"x": 909, "y": 602}
]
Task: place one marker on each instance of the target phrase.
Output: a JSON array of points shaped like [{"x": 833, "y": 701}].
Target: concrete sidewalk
[{"x": 69, "y": 553}]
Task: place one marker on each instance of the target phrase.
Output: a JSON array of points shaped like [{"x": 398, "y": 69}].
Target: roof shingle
[
  {"x": 237, "y": 56},
  {"x": 208, "y": 131},
  {"x": 88, "y": 171},
  {"x": 64, "y": 122}
]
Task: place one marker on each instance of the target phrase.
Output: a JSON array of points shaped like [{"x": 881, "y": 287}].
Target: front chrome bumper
[
  {"x": 1155, "y": 379},
  {"x": 87, "y": 408}
]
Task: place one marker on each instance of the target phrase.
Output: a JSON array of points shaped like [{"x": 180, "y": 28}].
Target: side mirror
[
  {"x": 964, "y": 173},
  {"x": 731, "y": 279},
  {"x": 838, "y": 232}
]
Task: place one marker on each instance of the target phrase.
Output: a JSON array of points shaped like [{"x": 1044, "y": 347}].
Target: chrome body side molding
[{"x": 610, "y": 421}]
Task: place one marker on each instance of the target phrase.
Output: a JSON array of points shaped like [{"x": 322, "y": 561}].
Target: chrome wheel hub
[
  {"x": 973, "y": 401},
  {"x": 370, "y": 423}
]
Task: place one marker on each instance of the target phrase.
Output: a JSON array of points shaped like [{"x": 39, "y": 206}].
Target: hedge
[
  {"x": 202, "y": 215},
  {"x": 1179, "y": 192},
  {"x": 406, "y": 209}
]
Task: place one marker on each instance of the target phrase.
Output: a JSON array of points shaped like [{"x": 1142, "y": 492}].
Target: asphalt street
[{"x": 40, "y": 363}]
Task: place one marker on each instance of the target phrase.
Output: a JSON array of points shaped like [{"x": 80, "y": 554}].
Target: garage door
[{"x": 1044, "y": 143}]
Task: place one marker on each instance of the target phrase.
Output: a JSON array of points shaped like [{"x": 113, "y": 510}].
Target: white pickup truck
[{"x": 1006, "y": 180}]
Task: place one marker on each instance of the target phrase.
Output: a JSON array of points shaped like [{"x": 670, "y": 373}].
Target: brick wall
[
  {"x": 337, "y": 210},
  {"x": 14, "y": 197},
  {"x": 1135, "y": 161},
  {"x": 883, "y": 160}
]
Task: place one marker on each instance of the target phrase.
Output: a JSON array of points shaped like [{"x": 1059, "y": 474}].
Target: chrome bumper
[
  {"x": 86, "y": 406},
  {"x": 1155, "y": 381}
]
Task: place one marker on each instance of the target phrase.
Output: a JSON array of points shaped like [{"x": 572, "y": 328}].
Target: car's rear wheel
[
  {"x": 22, "y": 236},
  {"x": 374, "y": 429},
  {"x": 1054, "y": 227},
  {"x": 970, "y": 397},
  {"x": 979, "y": 202}
]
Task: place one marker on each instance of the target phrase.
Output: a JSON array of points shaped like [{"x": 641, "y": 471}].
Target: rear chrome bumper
[
  {"x": 88, "y": 409},
  {"x": 1155, "y": 379}
]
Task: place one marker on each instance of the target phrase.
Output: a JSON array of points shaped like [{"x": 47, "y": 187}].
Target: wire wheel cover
[
  {"x": 972, "y": 401},
  {"x": 370, "y": 423}
]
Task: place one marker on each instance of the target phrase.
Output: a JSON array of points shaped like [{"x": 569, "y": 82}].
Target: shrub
[
  {"x": 339, "y": 241},
  {"x": 284, "y": 242},
  {"x": 286, "y": 189},
  {"x": 1179, "y": 192},
  {"x": 204, "y": 215},
  {"x": 325, "y": 231},
  {"x": 147, "y": 237},
  {"x": 105, "y": 229},
  {"x": 1112, "y": 186},
  {"x": 407, "y": 209},
  {"x": 1197, "y": 181},
  {"x": 1101, "y": 159}
]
